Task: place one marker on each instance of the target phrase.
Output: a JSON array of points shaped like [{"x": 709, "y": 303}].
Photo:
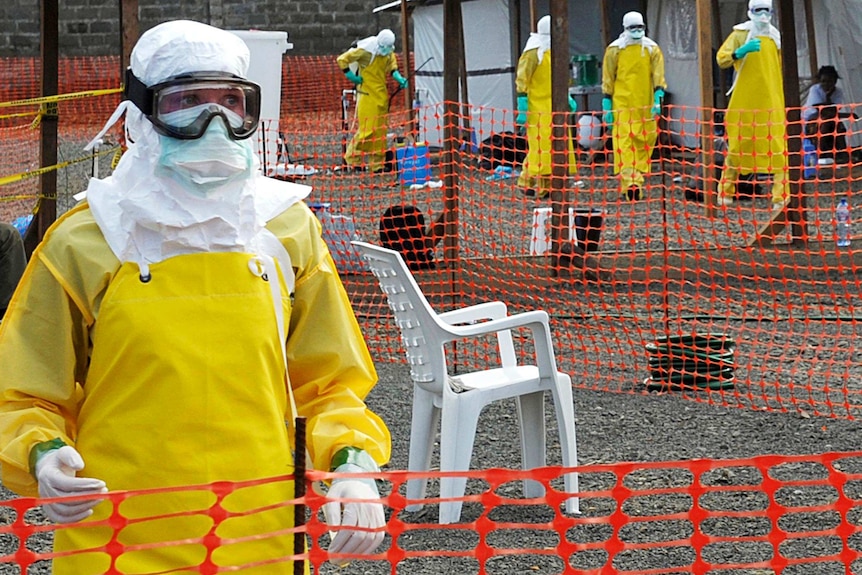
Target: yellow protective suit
[
  {"x": 755, "y": 117},
  {"x": 534, "y": 79},
  {"x": 630, "y": 76},
  {"x": 368, "y": 146},
  {"x": 180, "y": 381}
]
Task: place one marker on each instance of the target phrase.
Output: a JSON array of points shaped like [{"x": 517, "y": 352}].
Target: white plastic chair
[{"x": 456, "y": 401}]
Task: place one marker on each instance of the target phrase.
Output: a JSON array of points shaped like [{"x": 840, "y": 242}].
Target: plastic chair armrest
[{"x": 479, "y": 312}]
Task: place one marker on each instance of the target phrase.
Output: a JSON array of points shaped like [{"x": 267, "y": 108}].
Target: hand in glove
[
  {"x": 402, "y": 81},
  {"x": 55, "y": 472},
  {"x": 658, "y": 97},
  {"x": 608, "y": 115},
  {"x": 752, "y": 45},
  {"x": 368, "y": 515},
  {"x": 353, "y": 76},
  {"x": 573, "y": 106},
  {"x": 523, "y": 105}
]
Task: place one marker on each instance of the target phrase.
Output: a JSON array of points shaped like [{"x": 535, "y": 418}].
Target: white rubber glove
[
  {"x": 369, "y": 515},
  {"x": 55, "y": 472}
]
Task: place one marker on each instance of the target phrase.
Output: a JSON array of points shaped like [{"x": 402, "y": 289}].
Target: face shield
[{"x": 183, "y": 106}]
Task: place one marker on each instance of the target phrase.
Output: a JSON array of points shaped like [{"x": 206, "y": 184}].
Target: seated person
[
  {"x": 12, "y": 262},
  {"x": 822, "y": 112}
]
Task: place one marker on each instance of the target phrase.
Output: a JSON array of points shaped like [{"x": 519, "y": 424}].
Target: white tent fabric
[{"x": 490, "y": 67}]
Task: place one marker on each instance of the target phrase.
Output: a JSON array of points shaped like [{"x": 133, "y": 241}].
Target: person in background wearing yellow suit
[
  {"x": 368, "y": 66},
  {"x": 633, "y": 84},
  {"x": 533, "y": 86},
  {"x": 167, "y": 328},
  {"x": 755, "y": 118}
]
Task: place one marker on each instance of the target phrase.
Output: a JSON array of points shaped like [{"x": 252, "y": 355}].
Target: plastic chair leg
[
  {"x": 423, "y": 432},
  {"x": 457, "y": 433},
  {"x": 564, "y": 408},
  {"x": 531, "y": 412}
]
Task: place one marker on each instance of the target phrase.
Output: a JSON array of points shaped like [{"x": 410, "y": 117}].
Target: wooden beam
[
  {"x": 46, "y": 204},
  {"x": 560, "y": 117},
  {"x": 129, "y": 33},
  {"x": 812, "y": 38},
  {"x": 405, "y": 56},
  {"x": 794, "y": 213},
  {"x": 451, "y": 128},
  {"x": 707, "y": 103}
]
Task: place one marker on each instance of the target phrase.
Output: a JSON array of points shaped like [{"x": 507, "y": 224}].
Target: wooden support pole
[
  {"x": 707, "y": 104},
  {"x": 46, "y": 203},
  {"x": 451, "y": 66},
  {"x": 559, "y": 132}
]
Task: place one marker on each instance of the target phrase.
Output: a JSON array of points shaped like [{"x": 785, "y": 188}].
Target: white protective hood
[{"x": 146, "y": 218}]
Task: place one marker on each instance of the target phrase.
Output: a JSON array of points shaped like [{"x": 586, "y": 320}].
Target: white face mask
[
  {"x": 761, "y": 20},
  {"x": 207, "y": 163}
]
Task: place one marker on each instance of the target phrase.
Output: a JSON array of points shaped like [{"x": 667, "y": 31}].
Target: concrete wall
[{"x": 91, "y": 27}]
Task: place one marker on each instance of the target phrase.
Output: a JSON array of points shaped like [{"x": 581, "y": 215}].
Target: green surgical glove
[
  {"x": 402, "y": 81},
  {"x": 752, "y": 45},
  {"x": 658, "y": 97},
  {"x": 573, "y": 106},
  {"x": 608, "y": 115},
  {"x": 521, "y": 118},
  {"x": 353, "y": 77}
]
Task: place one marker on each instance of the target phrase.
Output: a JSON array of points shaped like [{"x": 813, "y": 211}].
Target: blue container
[
  {"x": 809, "y": 159},
  {"x": 414, "y": 164}
]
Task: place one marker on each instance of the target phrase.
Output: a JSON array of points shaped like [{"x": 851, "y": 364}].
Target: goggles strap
[{"x": 138, "y": 93}]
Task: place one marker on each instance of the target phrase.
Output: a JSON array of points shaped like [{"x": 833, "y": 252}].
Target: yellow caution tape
[
  {"x": 18, "y": 115},
  {"x": 38, "y": 172},
  {"x": 59, "y": 97}
]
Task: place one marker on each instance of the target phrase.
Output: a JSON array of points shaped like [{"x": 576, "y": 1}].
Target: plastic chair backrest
[{"x": 413, "y": 313}]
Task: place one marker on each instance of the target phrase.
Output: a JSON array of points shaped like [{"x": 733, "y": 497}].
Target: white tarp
[{"x": 490, "y": 67}]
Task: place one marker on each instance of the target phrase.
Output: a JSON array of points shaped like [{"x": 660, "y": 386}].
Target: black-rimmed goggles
[{"x": 182, "y": 107}]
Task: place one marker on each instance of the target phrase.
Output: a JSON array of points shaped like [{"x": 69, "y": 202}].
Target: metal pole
[{"x": 298, "y": 493}]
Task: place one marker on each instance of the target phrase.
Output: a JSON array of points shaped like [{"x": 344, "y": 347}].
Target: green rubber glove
[
  {"x": 608, "y": 115},
  {"x": 573, "y": 106},
  {"x": 353, "y": 77},
  {"x": 752, "y": 45},
  {"x": 402, "y": 81},
  {"x": 521, "y": 118},
  {"x": 658, "y": 97}
]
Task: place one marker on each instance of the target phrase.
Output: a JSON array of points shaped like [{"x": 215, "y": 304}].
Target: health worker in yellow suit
[
  {"x": 533, "y": 86},
  {"x": 168, "y": 327},
  {"x": 633, "y": 84},
  {"x": 368, "y": 66},
  {"x": 755, "y": 118}
]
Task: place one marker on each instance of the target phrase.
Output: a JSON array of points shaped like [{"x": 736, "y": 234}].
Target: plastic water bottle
[
  {"x": 842, "y": 224},
  {"x": 809, "y": 159}
]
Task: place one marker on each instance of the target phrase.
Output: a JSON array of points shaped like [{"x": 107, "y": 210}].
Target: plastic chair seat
[{"x": 454, "y": 402}]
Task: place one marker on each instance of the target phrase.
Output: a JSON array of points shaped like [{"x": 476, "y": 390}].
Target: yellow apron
[
  {"x": 536, "y": 169},
  {"x": 186, "y": 386},
  {"x": 635, "y": 132},
  {"x": 372, "y": 109},
  {"x": 755, "y": 113}
]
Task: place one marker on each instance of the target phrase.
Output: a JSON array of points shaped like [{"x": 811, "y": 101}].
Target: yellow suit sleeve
[
  {"x": 609, "y": 70},
  {"x": 43, "y": 353},
  {"x": 724, "y": 56},
  {"x": 527, "y": 64},
  {"x": 657, "y": 62},
  {"x": 330, "y": 369}
]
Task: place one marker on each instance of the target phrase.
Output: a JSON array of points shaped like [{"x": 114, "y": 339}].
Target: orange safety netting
[
  {"x": 736, "y": 306},
  {"x": 770, "y": 514}
]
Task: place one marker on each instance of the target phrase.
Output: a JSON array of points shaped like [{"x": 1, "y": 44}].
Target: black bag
[
  {"x": 402, "y": 228},
  {"x": 503, "y": 149}
]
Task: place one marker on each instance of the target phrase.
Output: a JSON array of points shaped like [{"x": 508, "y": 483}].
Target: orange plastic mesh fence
[
  {"x": 781, "y": 515},
  {"x": 758, "y": 309}
]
